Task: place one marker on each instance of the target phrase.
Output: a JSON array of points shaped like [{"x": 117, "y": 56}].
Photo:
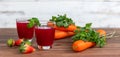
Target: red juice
[
  {"x": 44, "y": 35},
  {"x": 23, "y": 30}
]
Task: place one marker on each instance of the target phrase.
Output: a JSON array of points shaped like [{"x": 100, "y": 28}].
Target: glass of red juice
[
  {"x": 44, "y": 37},
  {"x": 23, "y": 30}
]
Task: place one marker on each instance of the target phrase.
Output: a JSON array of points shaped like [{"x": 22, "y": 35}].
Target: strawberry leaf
[
  {"x": 10, "y": 42},
  {"x": 22, "y": 49}
]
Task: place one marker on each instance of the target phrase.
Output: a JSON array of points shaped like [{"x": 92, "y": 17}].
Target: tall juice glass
[
  {"x": 44, "y": 37},
  {"x": 22, "y": 29}
]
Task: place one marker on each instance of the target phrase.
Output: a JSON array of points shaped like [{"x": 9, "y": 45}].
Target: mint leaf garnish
[
  {"x": 32, "y": 22},
  {"x": 36, "y": 21}
]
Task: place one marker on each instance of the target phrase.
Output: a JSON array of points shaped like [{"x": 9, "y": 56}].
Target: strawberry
[
  {"x": 25, "y": 42},
  {"x": 26, "y": 49},
  {"x": 18, "y": 42},
  {"x": 10, "y": 42}
]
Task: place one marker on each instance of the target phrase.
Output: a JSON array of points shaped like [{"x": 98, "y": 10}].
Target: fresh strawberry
[
  {"x": 25, "y": 42},
  {"x": 10, "y": 42},
  {"x": 26, "y": 49},
  {"x": 18, "y": 42}
]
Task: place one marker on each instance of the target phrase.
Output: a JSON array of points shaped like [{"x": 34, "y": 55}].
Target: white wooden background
[{"x": 102, "y": 13}]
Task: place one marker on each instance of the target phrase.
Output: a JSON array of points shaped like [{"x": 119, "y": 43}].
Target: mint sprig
[{"x": 33, "y": 21}]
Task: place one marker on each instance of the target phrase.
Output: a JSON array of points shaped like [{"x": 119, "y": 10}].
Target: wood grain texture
[{"x": 61, "y": 48}]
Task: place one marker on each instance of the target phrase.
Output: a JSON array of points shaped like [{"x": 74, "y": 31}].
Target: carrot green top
[{"x": 62, "y": 20}]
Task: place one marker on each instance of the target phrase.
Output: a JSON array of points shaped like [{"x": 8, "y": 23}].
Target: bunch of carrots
[
  {"x": 64, "y": 26},
  {"x": 61, "y": 32},
  {"x": 87, "y": 37},
  {"x": 83, "y": 37}
]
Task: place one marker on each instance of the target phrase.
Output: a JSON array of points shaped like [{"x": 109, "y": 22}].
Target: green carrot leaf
[
  {"x": 62, "y": 20},
  {"x": 88, "y": 25}
]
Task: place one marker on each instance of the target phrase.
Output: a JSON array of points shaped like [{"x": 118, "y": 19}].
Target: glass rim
[
  {"x": 23, "y": 18},
  {"x": 43, "y": 27}
]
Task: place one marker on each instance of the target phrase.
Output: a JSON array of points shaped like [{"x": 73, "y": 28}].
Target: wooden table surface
[{"x": 61, "y": 48}]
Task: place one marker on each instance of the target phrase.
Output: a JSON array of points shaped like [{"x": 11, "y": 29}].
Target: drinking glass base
[{"x": 44, "y": 47}]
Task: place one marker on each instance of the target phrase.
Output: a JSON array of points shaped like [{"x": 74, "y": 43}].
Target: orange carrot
[
  {"x": 62, "y": 34},
  {"x": 101, "y": 32},
  {"x": 50, "y": 24},
  {"x": 70, "y": 33},
  {"x": 81, "y": 45},
  {"x": 71, "y": 27}
]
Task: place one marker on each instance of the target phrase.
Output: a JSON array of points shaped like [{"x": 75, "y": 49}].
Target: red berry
[
  {"x": 18, "y": 42},
  {"x": 26, "y": 49}
]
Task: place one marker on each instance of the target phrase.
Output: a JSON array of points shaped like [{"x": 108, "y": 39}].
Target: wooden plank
[{"x": 61, "y": 48}]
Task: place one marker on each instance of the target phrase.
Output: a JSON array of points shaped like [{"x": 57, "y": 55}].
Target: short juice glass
[
  {"x": 22, "y": 29},
  {"x": 44, "y": 37}
]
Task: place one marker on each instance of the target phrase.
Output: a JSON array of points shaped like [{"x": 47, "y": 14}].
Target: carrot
[
  {"x": 62, "y": 34},
  {"x": 50, "y": 24},
  {"x": 70, "y": 33},
  {"x": 101, "y": 32},
  {"x": 81, "y": 45},
  {"x": 71, "y": 27}
]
